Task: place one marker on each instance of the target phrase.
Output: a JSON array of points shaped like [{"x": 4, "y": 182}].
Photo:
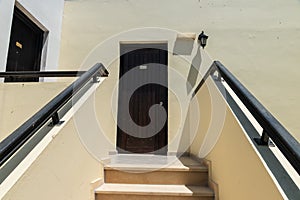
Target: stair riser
[
  {"x": 157, "y": 177},
  {"x": 148, "y": 197}
]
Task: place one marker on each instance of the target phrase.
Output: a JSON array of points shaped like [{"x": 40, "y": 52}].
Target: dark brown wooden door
[
  {"x": 146, "y": 65},
  {"x": 25, "y": 46}
]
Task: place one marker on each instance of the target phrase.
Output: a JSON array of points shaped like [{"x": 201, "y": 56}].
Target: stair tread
[
  {"x": 150, "y": 189},
  {"x": 154, "y": 168},
  {"x": 153, "y": 163}
]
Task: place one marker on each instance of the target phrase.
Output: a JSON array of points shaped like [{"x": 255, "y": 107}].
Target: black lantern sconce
[{"x": 202, "y": 38}]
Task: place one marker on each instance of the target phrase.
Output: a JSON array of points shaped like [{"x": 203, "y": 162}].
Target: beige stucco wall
[
  {"x": 257, "y": 40},
  {"x": 235, "y": 166},
  {"x": 19, "y": 101},
  {"x": 64, "y": 170},
  {"x": 250, "y": 37}
]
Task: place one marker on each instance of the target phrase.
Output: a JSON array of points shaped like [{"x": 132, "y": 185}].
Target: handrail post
[
  {"x": 95, "y": 78},
  {"x": 218, "y": 76},
  {"x": 263, "y": 140},
  {"x": 55, "y": 119}
]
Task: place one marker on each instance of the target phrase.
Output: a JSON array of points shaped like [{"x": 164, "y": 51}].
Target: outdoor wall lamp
[{"x": 202, "y": 38}]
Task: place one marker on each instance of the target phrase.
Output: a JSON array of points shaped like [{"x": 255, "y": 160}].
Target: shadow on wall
[
  {"x": 185, "y": 46},
  {"x": 194, "y": 71}
]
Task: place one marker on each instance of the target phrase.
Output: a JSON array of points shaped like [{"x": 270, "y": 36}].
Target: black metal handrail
[
  {"x": 37, "y": 74},
  {"x": 22, "y": 134},
  {"x": 272, "y": 128}
]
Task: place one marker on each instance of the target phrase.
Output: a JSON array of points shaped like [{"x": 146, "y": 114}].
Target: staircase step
[
  {"x": 189, "y": 176},
  {"x": 110, "y": 191},
  {"x": 156, "y": 170}
]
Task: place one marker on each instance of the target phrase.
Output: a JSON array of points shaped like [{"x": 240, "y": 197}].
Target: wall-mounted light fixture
[{"x": 202, "y": 38}]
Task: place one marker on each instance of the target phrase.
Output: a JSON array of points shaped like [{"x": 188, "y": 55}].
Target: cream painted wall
[
  {"x": 235, "y": 165},
  {"x": 19, "y": 101},
  {"x": 250, "y": 37},
  {"x": 64, "y": 170},
  {"x": 48, "y": 14}
]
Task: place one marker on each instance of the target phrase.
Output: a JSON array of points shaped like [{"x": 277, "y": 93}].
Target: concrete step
[
  {"x": 109, "y": 191},
  {"x": 189, "y": 176},
  {"x": 145, "y": 170}
]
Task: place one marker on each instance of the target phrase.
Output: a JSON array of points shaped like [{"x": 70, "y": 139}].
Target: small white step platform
[
  {"x": 146, "y": 189},
  {"x": 153, "y": 162}
]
